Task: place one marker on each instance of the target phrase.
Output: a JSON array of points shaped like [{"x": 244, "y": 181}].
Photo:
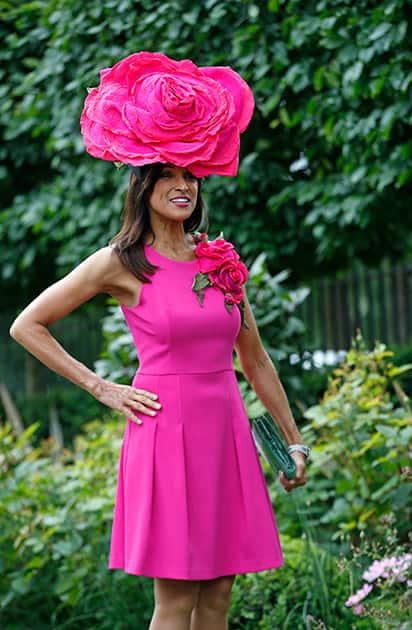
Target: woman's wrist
[
  {"x": 299, "y": 448},
  {"x": 94, "y": 385}
]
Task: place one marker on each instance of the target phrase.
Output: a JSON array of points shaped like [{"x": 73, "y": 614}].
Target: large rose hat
[{"x": 150, "y": 108}]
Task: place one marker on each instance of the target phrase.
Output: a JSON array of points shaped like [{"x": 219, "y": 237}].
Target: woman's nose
[{"x": 181, "y": 181}]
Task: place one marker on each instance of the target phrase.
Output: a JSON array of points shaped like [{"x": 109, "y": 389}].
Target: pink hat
[{"x": 150, "y": 108}]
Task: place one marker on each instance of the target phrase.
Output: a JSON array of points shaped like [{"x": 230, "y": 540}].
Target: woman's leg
[
  {"x": 213, "y": 604},
  {"x": 174, "y": 602}
]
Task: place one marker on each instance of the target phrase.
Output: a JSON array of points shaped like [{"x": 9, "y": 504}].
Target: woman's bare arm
[
  {"x": 262, "y": 375},
  {"x": 30, "y": 329}
]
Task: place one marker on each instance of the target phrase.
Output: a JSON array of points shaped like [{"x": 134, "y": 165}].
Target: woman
[{"x": 192, "y": 509}]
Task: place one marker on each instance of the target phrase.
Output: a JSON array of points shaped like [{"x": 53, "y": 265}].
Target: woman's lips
[{"x": 182, "y": 202}]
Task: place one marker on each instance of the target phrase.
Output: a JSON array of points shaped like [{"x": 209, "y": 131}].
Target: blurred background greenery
[{"x": 320, "y": 213}]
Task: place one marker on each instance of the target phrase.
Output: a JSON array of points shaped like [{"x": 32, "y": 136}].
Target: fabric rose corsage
[
  {"x": 220, "y": 266},
  {"x": 151, "y": 108}
]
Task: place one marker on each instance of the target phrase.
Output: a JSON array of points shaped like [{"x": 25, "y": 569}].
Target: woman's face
[{"x": 174, "y": 195}]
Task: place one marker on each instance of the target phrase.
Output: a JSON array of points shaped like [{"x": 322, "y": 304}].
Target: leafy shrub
[
  {"x": 309, "y": 589},
  {"x": 403, "y": 354},
  {"x": 360, "y": 434},
  {"x": 55, "y": 521},
  {"x": 75, "y": 408}
]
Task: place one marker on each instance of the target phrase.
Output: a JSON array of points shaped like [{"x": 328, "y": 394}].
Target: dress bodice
[{"x": 172, "y": 332}]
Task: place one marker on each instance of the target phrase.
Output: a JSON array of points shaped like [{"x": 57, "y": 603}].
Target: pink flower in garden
[
  {"x": 358, "y": 609},
  {"x": 150, "y": 108},
  {"x": 387, "y": 567},
  {"x": 394, "y": 566},
  {"x": 359, "y": 595}
]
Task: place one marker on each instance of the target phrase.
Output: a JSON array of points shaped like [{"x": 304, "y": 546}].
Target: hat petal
[
  {"x": 225, "y": 159},
  {"x": 241, "y": 92}
]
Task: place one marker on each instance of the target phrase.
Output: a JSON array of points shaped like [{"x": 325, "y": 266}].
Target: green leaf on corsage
[
  {"x": 200, "y": 282},
  {"x": 229, "y": 307}
]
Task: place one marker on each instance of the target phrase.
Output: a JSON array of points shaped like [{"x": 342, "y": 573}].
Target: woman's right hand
[{"x": 127, "y": 399}]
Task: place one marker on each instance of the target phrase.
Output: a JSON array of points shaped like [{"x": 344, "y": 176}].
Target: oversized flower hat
[{"x": 150, "y": 108}]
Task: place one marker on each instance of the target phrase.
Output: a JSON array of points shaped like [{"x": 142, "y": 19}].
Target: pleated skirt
[{"x": 192, "y": 501}]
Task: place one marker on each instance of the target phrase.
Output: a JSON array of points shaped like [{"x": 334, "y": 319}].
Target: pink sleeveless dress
[{"x": 192, "y": 501}]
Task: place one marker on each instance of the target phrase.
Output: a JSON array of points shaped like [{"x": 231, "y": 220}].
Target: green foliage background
[
  {"x": 362, "y": 430},
  {"x": 325, "y": 178},
  {"x": 326, "y": 163}
]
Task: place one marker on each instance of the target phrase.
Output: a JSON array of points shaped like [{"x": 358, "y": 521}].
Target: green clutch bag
[{"x": 271, "y": 446}]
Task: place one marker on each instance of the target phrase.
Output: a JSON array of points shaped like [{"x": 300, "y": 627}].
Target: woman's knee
[
  {"x": 175, "y": 595},
  {"x": 216, "y": 594}
]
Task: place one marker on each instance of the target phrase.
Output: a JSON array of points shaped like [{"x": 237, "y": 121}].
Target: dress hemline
[{"x": 182, "y": 574}]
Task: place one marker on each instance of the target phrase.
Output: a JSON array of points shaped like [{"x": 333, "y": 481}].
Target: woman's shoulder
[
  {"x": 104, "y": 265},
  {"x": 117, "y": 279},
  {"x": 105, "y": 259}
]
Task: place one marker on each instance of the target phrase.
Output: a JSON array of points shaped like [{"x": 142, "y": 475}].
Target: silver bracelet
[{"x": 300, "y": 448}]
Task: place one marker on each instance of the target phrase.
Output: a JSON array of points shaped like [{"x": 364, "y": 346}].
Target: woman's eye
[{"x": 188, "y": 176}]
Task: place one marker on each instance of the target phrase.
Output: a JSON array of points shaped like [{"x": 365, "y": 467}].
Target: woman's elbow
[
  {"x": 15, "y": 330},
  {"x": 19, "y": 329}
]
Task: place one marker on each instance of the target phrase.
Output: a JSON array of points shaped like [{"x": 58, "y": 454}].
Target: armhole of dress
[
  {"x": 124, "y": 306},
  {"x": 121, "y": 305}
]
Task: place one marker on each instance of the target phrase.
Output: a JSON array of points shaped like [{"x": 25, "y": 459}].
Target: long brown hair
[{"x": 129, "y": 241}]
